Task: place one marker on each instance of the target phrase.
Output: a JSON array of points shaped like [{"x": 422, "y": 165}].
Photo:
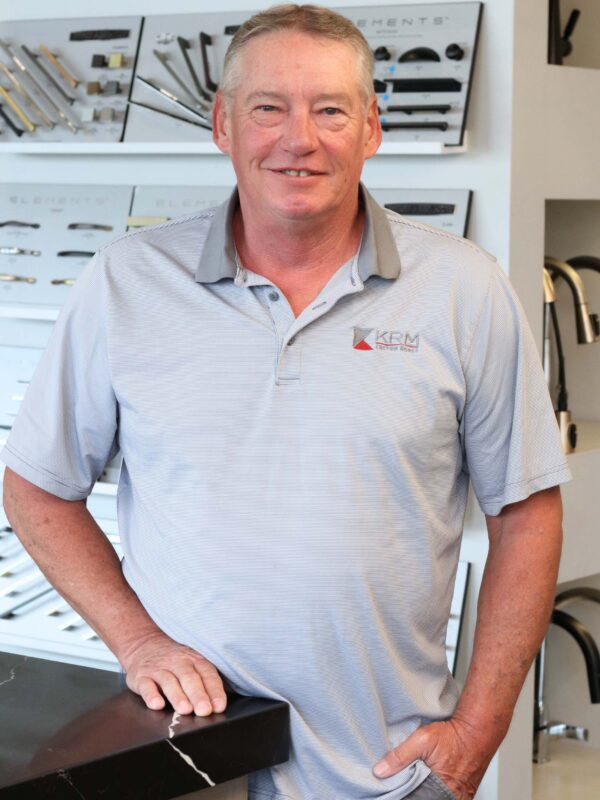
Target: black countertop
[{"x": 74, "y": 732}]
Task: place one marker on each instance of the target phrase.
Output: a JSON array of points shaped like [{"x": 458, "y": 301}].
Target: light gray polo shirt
[{"x": 293, "y": 490}]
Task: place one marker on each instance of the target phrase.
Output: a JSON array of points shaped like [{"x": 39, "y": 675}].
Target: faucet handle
[{"x": 561, "y": 730}]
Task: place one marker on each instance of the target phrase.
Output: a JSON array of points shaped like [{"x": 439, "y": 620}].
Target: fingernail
[
  {"x": 203, "y": 709},
  {"x": 382, "y": 770},
  {"x": 218, "y": 704}
]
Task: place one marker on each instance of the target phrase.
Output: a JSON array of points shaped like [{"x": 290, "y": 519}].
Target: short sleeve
[
  {"x": 66, "y": 428},
  {"x": 510, "y": 436}
]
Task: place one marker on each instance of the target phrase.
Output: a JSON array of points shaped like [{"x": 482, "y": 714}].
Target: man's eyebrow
[{"x": 335, "y": 97}]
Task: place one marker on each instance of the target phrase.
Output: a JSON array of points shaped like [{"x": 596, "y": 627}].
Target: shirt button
[{"x": 273, "y": 296}]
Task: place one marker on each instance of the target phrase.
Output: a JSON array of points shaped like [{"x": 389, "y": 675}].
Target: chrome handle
[
  {"x": 5, "y": 277},
  {"x": 63, "y": 281},
  {"x": 18, "y": 251}
]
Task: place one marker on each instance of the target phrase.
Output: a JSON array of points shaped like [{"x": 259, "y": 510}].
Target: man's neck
[{"x": 300, "y": 256}]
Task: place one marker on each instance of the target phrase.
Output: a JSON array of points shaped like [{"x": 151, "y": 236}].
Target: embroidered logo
[{"x": 373, "y": 339}]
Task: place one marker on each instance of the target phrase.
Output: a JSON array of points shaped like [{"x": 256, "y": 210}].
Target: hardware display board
[
  {"x": 67, "y": 79},
  {"x": 424, "y": 59},
  {"x": 48, "y": 233},
  {"x": 424, "y": 55},
  {"x": 155, "y": 204},
  {"x": 446, "y": 209}
]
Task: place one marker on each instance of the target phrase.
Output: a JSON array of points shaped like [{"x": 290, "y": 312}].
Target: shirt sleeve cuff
[
  {"x": 515, "y": 492},
  {"x": 41, "y": 478}
]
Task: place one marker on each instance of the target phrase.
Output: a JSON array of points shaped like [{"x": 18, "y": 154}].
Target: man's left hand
[{"x": 452, "y": 749}]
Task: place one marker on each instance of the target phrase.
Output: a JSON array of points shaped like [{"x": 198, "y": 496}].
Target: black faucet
[{"x": 544, "y": 730}]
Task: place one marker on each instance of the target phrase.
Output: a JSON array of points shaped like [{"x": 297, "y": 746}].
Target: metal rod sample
[
  {"x": 184, "y": 46},
  {"x": 168, "y": 114},
  {"x": 88, "y": 226},
  {"x": 18, "y": 251},
  {"x": 21, "y": 59},
  {"x": 16, "y": 278},
  {"x": 205, "y": 41},
  {"x": 14, "y": 128},
  {"x": 99, "y": 35},
  {"x": 414, "y": 126},
  {"x": 76, "y": 253},
  {"x": 62, "y": 70},
  {"x": 171, "y": 98},
  {"x": 15, "y": 223},
  {"x": 164, "y": 60},
  {"x": 142, "y": 222},
  {"x": 37, "y": 61},
  {"x": 27, "y": 96},
  {"x": 63, "y": 281},
  {"x": 18, "y": 110}
]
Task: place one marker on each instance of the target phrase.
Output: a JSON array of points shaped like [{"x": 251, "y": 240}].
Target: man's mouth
[{"x": 297, "y": 173}]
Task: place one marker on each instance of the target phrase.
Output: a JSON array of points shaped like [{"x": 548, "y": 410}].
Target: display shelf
[
  {"x": 198, "y": 148},
  {"x": 22, "y": 311}
]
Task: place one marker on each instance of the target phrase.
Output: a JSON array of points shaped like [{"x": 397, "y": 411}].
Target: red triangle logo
[{"x": 362, "y": 346}]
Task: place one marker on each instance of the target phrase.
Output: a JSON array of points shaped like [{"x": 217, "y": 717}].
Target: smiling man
[{"x": 301, "y": 385}]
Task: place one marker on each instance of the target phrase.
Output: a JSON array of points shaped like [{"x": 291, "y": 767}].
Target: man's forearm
[
  {"x": 514, "y": 607},
  {"x": 65, "y": 541}
]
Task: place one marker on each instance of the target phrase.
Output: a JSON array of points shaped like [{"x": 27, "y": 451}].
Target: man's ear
[
  {"x": 373, "y": 124},
  {"x": 220, "y": 123}
]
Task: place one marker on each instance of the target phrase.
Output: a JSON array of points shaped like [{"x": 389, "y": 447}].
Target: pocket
[{"x": 439, "y": 784}]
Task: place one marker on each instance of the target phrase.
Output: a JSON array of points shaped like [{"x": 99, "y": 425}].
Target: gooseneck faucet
[
  {"x": 588, "y": 326},
  {"x": 544, "y": 730}
]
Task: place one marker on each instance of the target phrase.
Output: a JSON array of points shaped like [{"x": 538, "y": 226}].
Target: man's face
[{"x": 297, "y": 129}]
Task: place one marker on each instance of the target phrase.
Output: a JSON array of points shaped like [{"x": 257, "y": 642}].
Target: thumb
[{"x": 400, "y": 757}]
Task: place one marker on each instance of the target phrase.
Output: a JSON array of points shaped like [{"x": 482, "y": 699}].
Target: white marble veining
[
  {"x": 63, "y": 773},
  {"x": 175, "y": 721},
  {"x": 10, "y": 678}
]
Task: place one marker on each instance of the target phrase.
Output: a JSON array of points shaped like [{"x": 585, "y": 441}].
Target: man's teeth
[{"x": 297, "y": 173}]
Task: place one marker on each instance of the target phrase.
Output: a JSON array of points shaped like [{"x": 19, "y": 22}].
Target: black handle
[{"x": 205, "y": 41}]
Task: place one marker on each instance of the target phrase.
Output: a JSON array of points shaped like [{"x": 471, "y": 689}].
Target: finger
[
  {"x": 193, "y": 686},
  {"x": 171, "y": 688},
  {"x": 213, "y": 685},
  {"x": 150, "y": 694},
  {"x": 400, "y": 757}
]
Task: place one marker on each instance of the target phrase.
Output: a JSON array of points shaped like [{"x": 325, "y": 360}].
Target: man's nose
[{"x": 300, "y": 134}]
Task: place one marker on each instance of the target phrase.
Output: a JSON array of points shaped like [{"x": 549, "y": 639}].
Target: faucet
[
  {"x": 544, "y": 730},
  {"x": 588, "y": 326}
]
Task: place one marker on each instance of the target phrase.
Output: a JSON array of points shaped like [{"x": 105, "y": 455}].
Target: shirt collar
[{"x": 378, "y": 252}]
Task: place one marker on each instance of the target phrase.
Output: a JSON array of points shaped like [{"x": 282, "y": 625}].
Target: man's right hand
[{"x": 159, "y": 668}]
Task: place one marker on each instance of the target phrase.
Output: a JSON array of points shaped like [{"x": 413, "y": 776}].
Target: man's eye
[
  {"x": 331, "y": 111},
  {"x": 266, "y": 108}
]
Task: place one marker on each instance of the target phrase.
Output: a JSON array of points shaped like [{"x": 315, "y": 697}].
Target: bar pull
[
  {"x": 18, "y": 251},
  {"x": 414, "y": 126},
  {"x": 14, "y": 128},
  {"x": 49, "y": 123},
  {"x": 421, "y": 209},
  {"x": 15, "y": 223},
  {"x": 99, "y": 35},
  {"x": 16, "y": 278},
  {"x": 75, "y": 253},
  {"x": 17, "y": 109},
  {"x": 426, "y": 85},
  {"x": 35, "y": 59},
  {"x": 63, "y": 281},
  {"x": 62, "y": 70},
  {"x": 184, "y": 46},
  {"x": 174, "y": 99},
  {"x": 88, "y": 226},
  {"x": 205, "y": 41},
  {"x": 164, "y": 60},
  {"x": 142, "y": 222},
  {"x": 441, "y": 109}
]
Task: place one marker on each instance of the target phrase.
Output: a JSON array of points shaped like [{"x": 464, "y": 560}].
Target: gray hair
[{"x": 312, "y": 20}]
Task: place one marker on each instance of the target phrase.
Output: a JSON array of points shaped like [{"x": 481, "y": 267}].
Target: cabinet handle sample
[
  {"x": 15, "y": 223},
  {"x": 18, "y": 110},
  {"x": 63, "y": 281},
  {"x": 35, "y": 59},
  {"x": 99, "y": 35},
  {"x": 62, "y": 70},
  {"x": 14, "y": 128},
  {"x": 16, "y": 278},
  {"x": 184, "y": 46},
  {"x": 205, "y": 41},
  {"x": 27, "y": 96},
  {"x": 18, "y": 251},
  {"x": 88, "y": 226}
]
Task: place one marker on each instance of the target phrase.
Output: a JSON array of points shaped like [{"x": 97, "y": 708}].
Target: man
[{"x": 301, "y": 385}]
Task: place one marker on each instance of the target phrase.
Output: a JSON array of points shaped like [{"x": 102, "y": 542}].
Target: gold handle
[
  {"x": 141, "y": 222},
  {"x": 5, "y": 277},
  {"x": 17, "y": 109},
  {"x": 73, "y": 82},
  {"x": 63, "y": 281}
]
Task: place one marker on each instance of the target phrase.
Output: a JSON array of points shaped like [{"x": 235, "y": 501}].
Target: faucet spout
[
  {"x": 588, "y": 329},
  {"x": 588, "y": 647}
]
